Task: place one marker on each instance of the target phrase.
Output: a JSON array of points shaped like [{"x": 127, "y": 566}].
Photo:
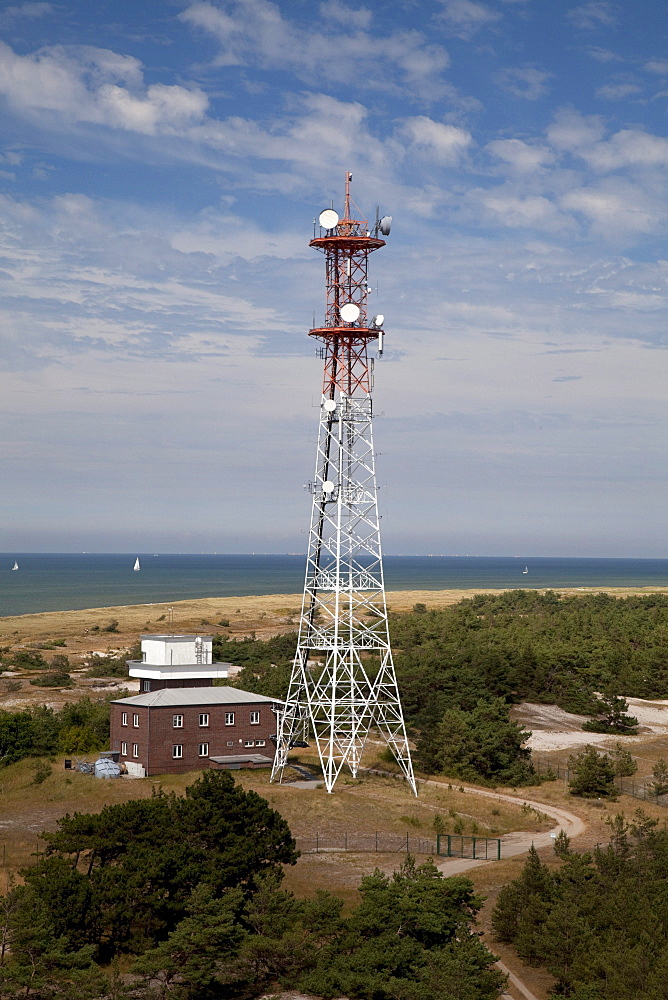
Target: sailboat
[
  {"x": 15, "y": 566},
  {"x": 525, "y": 570},
  {"x": 137, "y": 567}
]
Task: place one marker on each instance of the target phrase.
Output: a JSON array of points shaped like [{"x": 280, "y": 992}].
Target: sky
[{"x": 161, "y": 164}]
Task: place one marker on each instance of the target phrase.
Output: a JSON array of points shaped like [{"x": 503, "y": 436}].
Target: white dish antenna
[
  {"x": 349, "y": 312},
  {"x": 378, "y": 320},
  {"x": 328, "y": 486},
  {"x": 329, "y": 405},
  {"x": 384, "y": 225},
  {"x": 328, "y": 219}
]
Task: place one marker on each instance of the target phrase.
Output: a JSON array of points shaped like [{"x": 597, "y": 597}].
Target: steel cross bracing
[{"x": 343, "y": 680}]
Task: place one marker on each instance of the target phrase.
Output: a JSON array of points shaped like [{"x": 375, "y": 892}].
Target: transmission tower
[{"x": 343, "y": 679}]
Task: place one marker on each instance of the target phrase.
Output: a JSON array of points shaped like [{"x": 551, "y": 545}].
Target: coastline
[{"x": 264, "y": 615}]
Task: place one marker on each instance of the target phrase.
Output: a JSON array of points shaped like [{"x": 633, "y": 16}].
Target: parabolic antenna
[
  {"x": 328, "y": 219},
  {"x": 329, "y": 405},
  {"x": 349, "y": 312},
  {"x": 328, "y": 486},
  {"x": 384, "y": 225},
  {"x": 378, "y": 320}
]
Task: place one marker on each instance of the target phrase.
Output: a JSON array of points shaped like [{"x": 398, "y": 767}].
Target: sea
[{"x": 68, "y": 582}]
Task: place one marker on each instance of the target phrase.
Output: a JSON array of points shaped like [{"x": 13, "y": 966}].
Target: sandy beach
[{"x": 239, "y": 616}]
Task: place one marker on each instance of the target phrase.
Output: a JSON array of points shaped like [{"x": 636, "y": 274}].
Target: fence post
[
  {"x": 449, "y": 846},
  {"x": 498, "y": 849},
  {"x": 438, "y": 844}
]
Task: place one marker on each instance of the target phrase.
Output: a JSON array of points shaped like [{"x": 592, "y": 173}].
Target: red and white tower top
[{"x": 346, "y": 245}]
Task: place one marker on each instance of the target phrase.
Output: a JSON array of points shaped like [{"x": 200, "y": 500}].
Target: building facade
[{"x": 174, "y": 730}]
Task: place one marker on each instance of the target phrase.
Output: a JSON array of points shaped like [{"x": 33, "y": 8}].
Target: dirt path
[
  {"x": 520, "y": 841},
  {"x": 511, "y": 845}
]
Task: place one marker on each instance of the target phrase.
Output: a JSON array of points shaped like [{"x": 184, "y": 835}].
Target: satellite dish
[
  {"x": 328, "y": 219},
  {"x": 384, "y": 225},
  {"x": 329, "y": 405},
  {"x": 328, "y": 486},
  {"x": 349, "y": 312},
  {"x": 378, "y": 320}
]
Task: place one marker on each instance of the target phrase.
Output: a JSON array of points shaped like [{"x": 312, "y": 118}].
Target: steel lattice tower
[{"x": 343, "y": 679}]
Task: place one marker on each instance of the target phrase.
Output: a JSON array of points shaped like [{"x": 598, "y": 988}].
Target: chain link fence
[
  {"x": 443, "y": 845},
  {"x": 638, "y": 788}
]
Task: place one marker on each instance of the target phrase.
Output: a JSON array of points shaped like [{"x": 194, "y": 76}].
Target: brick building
[{"x": 178, "y": 729}]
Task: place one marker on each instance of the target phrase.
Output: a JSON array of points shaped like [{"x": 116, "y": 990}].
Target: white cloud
[
  {"x": 464, "y": 17},
  {"x": 30, "y": 11},
  {"x": 514, "y": 211},
  {"x": 658, "y": 66},
  {"x": 571, "y": 130},
  {"x": 615, "y": 206},
  {"x": 594, "y": 14},
  {"x": 349, "y": 17},
  {"x": 521, "y": 156},
  {"x": 628, "y": 148},
  {"x": 255, "y": 33},
  {"x": 618, "y": 90},
  {"x": 444, "y": 143},
  {"x": 524, "y": 81},
  {"x": 96, "y": 86}
]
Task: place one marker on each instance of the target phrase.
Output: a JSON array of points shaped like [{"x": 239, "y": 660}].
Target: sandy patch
[{"x": 554, "y": 729}]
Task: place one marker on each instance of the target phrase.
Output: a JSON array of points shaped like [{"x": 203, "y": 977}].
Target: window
[
  {"x": 177, "y": 721},
  {"x": 230, "y": 743},
  {"x": 204, "y": 719},
  {"x": 260, "y": 743},
  {"x": 229, "y": 718},
  {"x": 249, "y": 743},
  {"x": 204, "y": 749},
  {"x": 146, "y": 685},
  {"x": 124, "y": 719},
  {"x": 135, "y": 749},
  {"x": 177, "y": 751},
  {"x": 124, "y": 749},
  {"x": 255, "y": 718},
  {"x": 135, "y": 721}
]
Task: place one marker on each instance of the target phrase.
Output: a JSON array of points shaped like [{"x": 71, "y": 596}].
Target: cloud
[
  {"x": 658, "y": 66},
  {"x": 524, "y": 81},
  {"x": 464, "y": 18},
  {"x": 627, "y": 148},
  {"x": 444, "y": 143},
  {"x": 618, "y": 90},
  {"x": 516, "y": 211},
  {"x": 567, "y": 378},
  {"x": 349, "y": 17},
  {"x": 521, "y": 156},
  {"x": 255, "y": 33},
  {"x": 592, "y": 15},
  {"x": 572, "y": 130},
  {"x": 30, "y": 11},
  {"x": 97, "y": 86},
  {"x": 614, "y": 206}
]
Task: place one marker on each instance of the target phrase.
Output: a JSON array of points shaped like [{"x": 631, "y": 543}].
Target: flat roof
[
  {"x": 173, "y": 697},
  {"x": 243, "y": 758},
  {"x": 178, "y": 638}
]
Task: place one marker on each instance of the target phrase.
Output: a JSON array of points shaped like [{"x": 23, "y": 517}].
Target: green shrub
[{"x": 53, "y": 679}]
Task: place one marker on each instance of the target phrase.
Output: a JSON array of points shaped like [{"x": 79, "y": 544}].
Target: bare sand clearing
[{"x": 554, "y": 729}]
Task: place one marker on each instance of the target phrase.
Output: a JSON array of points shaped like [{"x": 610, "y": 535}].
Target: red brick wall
[{"x": 156, "y": 735}]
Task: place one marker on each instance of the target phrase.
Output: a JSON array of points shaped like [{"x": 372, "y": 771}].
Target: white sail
[
  {"x": 137, "y": 566},
  {"x": 525, "y": 570},
  {"x": 16, "y": 565}
]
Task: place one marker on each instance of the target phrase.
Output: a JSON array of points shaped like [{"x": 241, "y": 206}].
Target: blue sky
[{"x": 160, "y": 167}]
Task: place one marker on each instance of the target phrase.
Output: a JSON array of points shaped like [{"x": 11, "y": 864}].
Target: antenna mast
[{"x": 343, "y": 679}]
